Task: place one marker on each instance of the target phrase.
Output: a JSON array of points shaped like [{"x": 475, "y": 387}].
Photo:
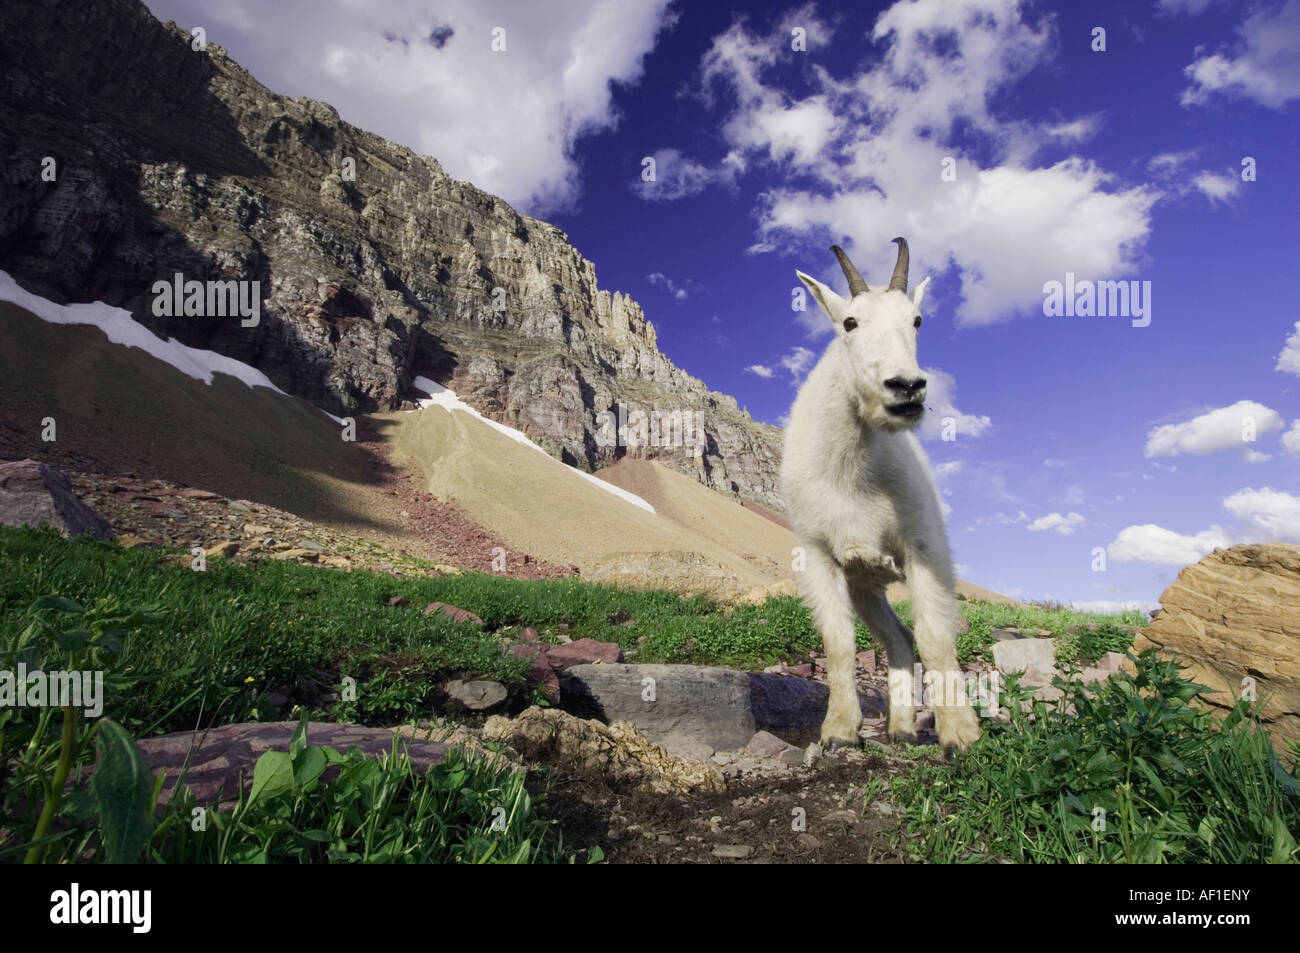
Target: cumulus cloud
[
  {"x": 941, "y": 406},
  {"x": 944, "y": 470},
  {"x": 1268, "y": 515},
  {"x": 1291, "y": 439},
  {"x": 1272, "y": 513},
  {"x": 1065, "y": 525},
  {"x": 760, "y": 369},
  {"x": 1149, "y": 543},
  {"x": 1264, "y": 64},
  {"x": 871, "y": 148},
  {"x": 1216, "y": 431},
  {"x": 1289, "y": 359},
  {"x": 427, "y": 76}
]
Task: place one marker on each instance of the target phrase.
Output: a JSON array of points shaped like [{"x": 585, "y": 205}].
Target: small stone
[
  {"x": 765, "y": 745},
  {"x": 303, "y": 554},
  {"x": 530, "y": 634},
  {"x": 808, "y": 842},
  {"x": 398, "y": 601},
  {"x": 867, "y": 660},
  {"x": 733, "y": 851},
  {"x": 584, "y": 652},
  {"x": 1111, "y": 661},
  {"x": 478, "y": 695},
  {"x": 225, "y": 549},
  {"x": 452, "y": 613},
  {"x": 338, "y": 562}
]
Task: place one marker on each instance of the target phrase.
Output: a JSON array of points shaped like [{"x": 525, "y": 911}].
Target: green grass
[
  {"x": 207, "y": 647},
  {"x": 1135, "y": 773}
]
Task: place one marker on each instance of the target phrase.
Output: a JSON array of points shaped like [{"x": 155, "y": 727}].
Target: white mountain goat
[{"x": 865, "y": 509}]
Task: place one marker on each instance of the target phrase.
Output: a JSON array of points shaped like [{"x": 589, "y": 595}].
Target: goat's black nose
[{"x": 905, "y": 386}]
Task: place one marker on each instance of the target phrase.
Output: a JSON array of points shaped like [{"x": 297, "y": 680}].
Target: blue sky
[{"x": 1074, "y": 435}]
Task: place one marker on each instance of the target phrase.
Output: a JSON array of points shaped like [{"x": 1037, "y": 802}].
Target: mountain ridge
[{"x": 173, "y": 160}]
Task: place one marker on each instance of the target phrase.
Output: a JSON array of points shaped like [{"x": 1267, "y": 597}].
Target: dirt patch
[{"x": 754, "y": 821}]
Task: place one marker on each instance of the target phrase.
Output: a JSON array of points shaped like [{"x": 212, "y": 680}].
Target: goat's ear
[
  {"x": 919, "y": 293},
  {"x": 831, "y": 303}
]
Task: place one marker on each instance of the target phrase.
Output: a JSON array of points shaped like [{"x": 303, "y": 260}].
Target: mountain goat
[{"x": 865, "y": 509}]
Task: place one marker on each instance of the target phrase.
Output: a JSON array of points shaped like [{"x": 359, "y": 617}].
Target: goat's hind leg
[
  {"x": 879, "y": 616},
  {"x": 826, "y": 592}
]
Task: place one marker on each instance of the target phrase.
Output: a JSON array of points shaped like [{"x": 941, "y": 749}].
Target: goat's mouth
[{"x": 908, "y": 411}]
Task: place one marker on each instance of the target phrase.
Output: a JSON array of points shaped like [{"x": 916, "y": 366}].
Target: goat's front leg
[
  {"x": 826, "y": 593},
  {"x": 936, "y": 620}
]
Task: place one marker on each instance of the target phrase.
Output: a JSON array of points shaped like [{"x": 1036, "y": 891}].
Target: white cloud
[
  {"x": 1268, "y": 511},
  {"x": 1217, "y": 186},
  {"x": 1112, "y": 606},
  {"x": 1065, "y": 525},
  {"x": 427, "y": 77},
  {"x": 1149, "y": 543},
  {"x": 1270, "y": 516},
  {"x": 1076, "y": 130},
  {"x": 1187, "y": 7},
  {"x": 1289, "y": 359},
  {"x": 797, "y": 362},
  {"x": 1001, "y": 519},
  {"x": 1265, "y": 66},
  {"x": 940, "y": 404},
  {"x": 1216, "y": 431},
  {"x": 1170, "y": 163},
  {"x": 660, "y": 280},
  {"x": 1291, "y": 439},
  {"x": 872, "y": 147},
  {"x": 944, "y": 470},
  {"x": 676, "y": 176},
  {"x": 760, "y": 369},
  {"x": 1054, "y": 462}
]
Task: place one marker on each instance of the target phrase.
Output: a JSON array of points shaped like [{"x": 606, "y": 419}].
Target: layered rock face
[
  {"x": 132, "y": 157},
  {"x": 1235, "y": 618}
]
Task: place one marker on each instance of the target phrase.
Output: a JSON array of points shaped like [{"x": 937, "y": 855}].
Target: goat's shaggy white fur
[{"x": 865, "y": 509}]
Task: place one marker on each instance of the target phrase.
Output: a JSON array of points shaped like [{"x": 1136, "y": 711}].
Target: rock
[
  {"x": 804, "y": 670},
  {"x": 765, "y": 745},
  {"x": 541, "y": 672},
  {"x": 398, "y": 601},
  {"x": 617, "y": 755},
  {"x": 1153, "y": 613},
  {"x": 812, "y": 755},
  {"x": 218, "y": 756},
  {"x": 867, "y": 660},
  {"x": 1111, "y": 662},
  {"x": 1019, "y": 654},
  {"x": 807, "y": 841},
  {"x": 584, "y": 652},
  {"x": 720, "y": 707},
  {"x": 733, "y": 851},
  {"x": 34, "y": 493},
  {"x": 256, "y": 529},
  {"x": 477, "y": 695},
  {"x": 201, "y": 495},
  {"x": 304, "y": 554},
  {"x": 337, "y": 562},
  {"x": 452, "y": 613},
  {"x": 689, "y": 750},
  {"x": 1236, "y": 615},
  {"x": 530, "y": 635},
  {"x": 1006, "y": 635},
  {"x": 225, "y": 549}
]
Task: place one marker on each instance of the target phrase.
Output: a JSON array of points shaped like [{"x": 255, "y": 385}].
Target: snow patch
[
  {"x": 445, "y": 398},
  {"x": 123, "y": 329}
]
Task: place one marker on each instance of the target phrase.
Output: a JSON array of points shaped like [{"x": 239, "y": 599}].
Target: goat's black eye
[
  {"x": 850, "y": 324},
  {"x": 917, "y": 323}
]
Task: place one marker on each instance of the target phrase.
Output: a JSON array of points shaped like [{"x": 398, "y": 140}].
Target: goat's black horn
[
  {"x": 857, "y": 284},
  {"x": 899, "y": 279}
]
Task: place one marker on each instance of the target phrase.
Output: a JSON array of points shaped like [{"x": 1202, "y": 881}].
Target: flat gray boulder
[
  {"x": 219, "y": 757},
  {"x": 1022, "y": 654},
  {"x": 719, "y": 707},
  {"x": 33, "y": 493}
]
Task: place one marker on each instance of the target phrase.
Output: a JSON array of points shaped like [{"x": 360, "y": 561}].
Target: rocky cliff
[{"x": 131, "y": 156}]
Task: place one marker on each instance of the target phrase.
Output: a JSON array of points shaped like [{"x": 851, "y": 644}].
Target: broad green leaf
[
  {"x": 73, "y": 639},
  {"x": 123, "y": 789},
  {"x": 272, "y": 775},
  {"x": 58, "y": 604},
  {"x": 308, "y": 766}
]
